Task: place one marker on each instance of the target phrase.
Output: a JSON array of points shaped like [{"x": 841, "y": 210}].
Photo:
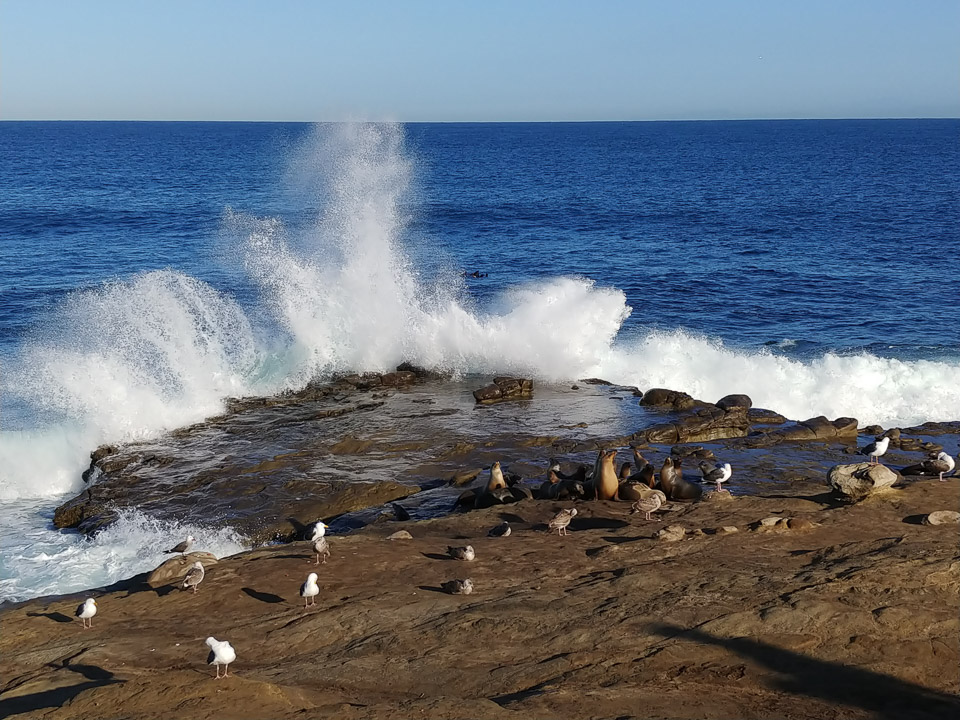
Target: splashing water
[{"x": 139, "y": 357}]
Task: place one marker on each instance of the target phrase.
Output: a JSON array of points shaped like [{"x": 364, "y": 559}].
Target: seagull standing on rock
[
  {"x": 182, "y": 548},
  {"x": 647, "y": 505},
  {"x": 193, "y": 577},
  {"x": 719, "y": 473},
  {"x": 458, "y": 587},
  {"x": 321, "y": 547},
  {"x": 876, "y": 449},
  {"x": 309, "y": 590},
  {"x": 561, "y": 520},
  {"x": 87, "y": 611},
  {"x": 221, "y": 653}
]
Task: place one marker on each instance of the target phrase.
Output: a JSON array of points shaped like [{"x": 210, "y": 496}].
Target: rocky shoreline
[{"x": 782, "y": 599}]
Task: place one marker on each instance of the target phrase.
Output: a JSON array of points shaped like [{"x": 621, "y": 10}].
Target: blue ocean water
[{"x": 148, "y": 270}]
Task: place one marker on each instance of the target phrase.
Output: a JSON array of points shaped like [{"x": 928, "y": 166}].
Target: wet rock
[
  {"x": 504, "y": 388},
  {"x": 176, "y": 567},
  {"x": 759, "y": 416},
  {"x": 730, "y": 401},
  {"x": 595, "y": 381},
  {"x": 942, "y": 517},
  {"x": 465, "y": 476},
  {"x": 671, "y": 533},
  {"x": 661, "y": 397},
  {"x": 399, "y": 378},
  {"x": 861, "y": 479}
]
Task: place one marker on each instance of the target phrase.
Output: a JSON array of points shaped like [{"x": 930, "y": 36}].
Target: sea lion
[
  {"x": 496, "y": 478},
  {"x": 606, "y": 483},
  {"x": 681, "y": 489},
  {"x": 563, "y": 490},
  {"x": 667, "y": 475},
  {"x": 580, "y": 474},
  {"x": 644, "y": 471},
  {"x": 624, "y": 471}
]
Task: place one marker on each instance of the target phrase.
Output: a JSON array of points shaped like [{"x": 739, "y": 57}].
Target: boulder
[
  {"x": 859, "y": 480},
  {"x": 176, "y": 567},
  {"x": 729, "y": 401},
  {"x": 400, "y": 535},
  {"x": 504, "y": 388},
  {"x": 661, "y": 397},
  {"x": 942, "y": 517}
]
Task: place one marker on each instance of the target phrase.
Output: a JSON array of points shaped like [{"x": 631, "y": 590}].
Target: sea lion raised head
[{"x": 496, "y": 478}]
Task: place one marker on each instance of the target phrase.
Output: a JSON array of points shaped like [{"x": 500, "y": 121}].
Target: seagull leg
[
  {"x": 226, "y": 669},
  {"x": 218, "y": 670}
]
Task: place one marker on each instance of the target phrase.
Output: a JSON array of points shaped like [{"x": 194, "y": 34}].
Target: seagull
[
  {"x": 193, "y": 577},
  {"x": 318, "y": 530},
  {"x": 458, "y": 587},
  {"x": 321, "y": 547},
  {"x": 221, "y": 653},
  {"x": 87, "y": 611},
  {"x": 942, "y": 464},
  {"x": 309, "y": 590},
  {"x": 876, "y": 449},
  {"x": 501, "y": 530},
  {"x": 461, "y": 553},
  {"x": 647, "y": 505},
  {"x": 719, "y": 473},
  {"x": 561, "y": 520},
  {"x": 182, "y": 548}
]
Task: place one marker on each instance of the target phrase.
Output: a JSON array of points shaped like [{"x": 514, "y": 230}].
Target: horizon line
[{"x": 487, "y": 122}]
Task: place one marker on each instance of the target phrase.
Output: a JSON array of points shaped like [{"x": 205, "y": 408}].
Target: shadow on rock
[
  {"x": 55, "y": 616},
  {"x": 885, "y": 696},
  {"x": 56, "y": 697},
  {"x": 263, "y": 596},
  {"x": 597, "y": 523}
]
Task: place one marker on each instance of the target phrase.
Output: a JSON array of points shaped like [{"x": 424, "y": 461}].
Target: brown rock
[
  {"x": 661, "y": 397},
  {"x": 398, "y": 378},
  {"x": 730, "y": 401},
  {"x": 176, "y": 567},
  {"x": 799, "y": 523},
  {"x": 399, "y": 535},
  {"x": 861, "y": 479},
  {"x": 671, "y": 533}
]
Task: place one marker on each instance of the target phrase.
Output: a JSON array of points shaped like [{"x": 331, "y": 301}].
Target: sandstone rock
[
  {"x": 861, "y": 479},
  {"x": 176, "y": 567},
  {"x": 759, "y": 416},
  {"x": 729, "y": 401},
  {"x": 400, "y": 535},
  {"x": 465, "y": 476},
  {"x": 727, "y": 530},
  {"x": 770, "y": 521},
  {"x": 714, "y": 496},
  {"x": 671, "y": 533},
  {"x": 942, "y": 517},
  {"x": 799, "y": 523}
]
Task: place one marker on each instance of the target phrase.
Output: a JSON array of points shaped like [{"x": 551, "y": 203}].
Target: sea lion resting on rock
[{"x": 561, "y": 490}]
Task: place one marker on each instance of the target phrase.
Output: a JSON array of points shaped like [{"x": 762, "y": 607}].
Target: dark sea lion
[
  {"x": 645, "y": 472},
  {"x": 667, "y": 476},
  {"x": 682, "y": 489},
  {"x": 624, "y": 471}
]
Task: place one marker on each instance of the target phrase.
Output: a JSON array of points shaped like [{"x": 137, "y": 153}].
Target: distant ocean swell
[{"x": 160, "y": 350}]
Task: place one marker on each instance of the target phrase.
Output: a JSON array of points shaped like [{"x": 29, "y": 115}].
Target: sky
[{"x": 485, "y": 60}]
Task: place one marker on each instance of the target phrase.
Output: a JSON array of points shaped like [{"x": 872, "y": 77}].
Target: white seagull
[
  {"x": 87, "y": 611},
  {"x": 318, "y": 530},
  {"x": 941, "y": 465},
  {"x": 876, "y": 449},
  {"x": 221, "y": 653},
  {"x": 309, "y": 590},
  {"x": 719, "y": 473}
]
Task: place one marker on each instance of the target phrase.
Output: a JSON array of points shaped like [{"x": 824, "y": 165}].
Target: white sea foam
[
  {"x": 141, "y": 356},
  {"x": 39, "y": 561}
]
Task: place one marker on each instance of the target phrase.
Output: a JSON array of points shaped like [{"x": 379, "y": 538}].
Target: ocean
[{"x": 151, "y": 270}]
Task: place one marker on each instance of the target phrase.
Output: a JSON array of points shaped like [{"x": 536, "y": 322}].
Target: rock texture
[
  {"x": 857, "y": 481},
  {"x": 855, "y": 617}
]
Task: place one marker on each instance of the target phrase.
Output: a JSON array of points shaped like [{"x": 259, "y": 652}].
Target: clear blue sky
[{"x": 452, "y": 60}]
